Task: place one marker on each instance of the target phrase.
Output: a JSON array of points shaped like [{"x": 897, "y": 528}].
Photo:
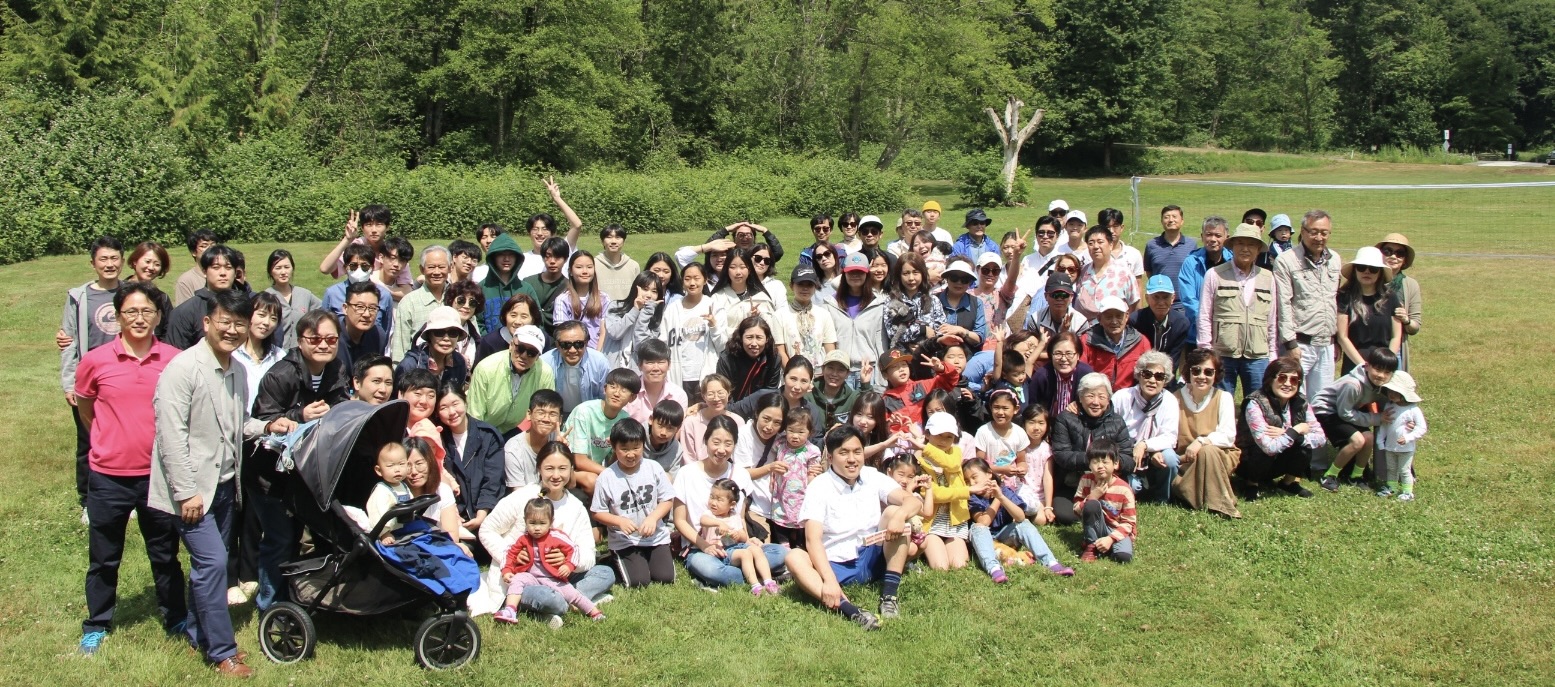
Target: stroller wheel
[
  {"x": 286, "y": 633},
  {"x": 447, "y": 641}
]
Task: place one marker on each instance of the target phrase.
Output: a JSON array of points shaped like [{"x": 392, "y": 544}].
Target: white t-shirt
[
  {"x": 941, "y": 234},
  {"x": 1032, "y": 280},
  {"x": 1132, "y": 260},
  {"x": 693, "y": 486},
  {"x": 848, "y": 513},
  {"x": 1001, "y": 450},
  {"x": 747, "y": 451},
  {"x": 690, "y": 339},
  {"x": 812, "y": 345}
]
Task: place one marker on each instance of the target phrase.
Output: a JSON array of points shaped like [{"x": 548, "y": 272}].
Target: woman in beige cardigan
[{"x": 1398, "y": 255}]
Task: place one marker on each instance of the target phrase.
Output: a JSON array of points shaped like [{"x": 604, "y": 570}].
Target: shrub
[{"x": 981, "y": 182}]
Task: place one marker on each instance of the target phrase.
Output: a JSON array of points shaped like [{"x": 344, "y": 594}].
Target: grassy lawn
[{"x": 1457, "y": 587}]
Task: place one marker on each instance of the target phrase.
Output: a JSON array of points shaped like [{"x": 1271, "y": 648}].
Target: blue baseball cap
[{"x": 1160, "y": 283}]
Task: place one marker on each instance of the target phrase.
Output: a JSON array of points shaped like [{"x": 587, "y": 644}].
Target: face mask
[{"x": 358, "y": 276}]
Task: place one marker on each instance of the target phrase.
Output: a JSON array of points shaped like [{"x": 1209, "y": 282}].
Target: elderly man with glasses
[
  {"x": 580, "y": 370},
  {"x": 501, "y": 385}
]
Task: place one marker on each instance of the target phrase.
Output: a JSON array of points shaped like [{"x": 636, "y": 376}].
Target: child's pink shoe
[
  {"x": 757, "y": 590},
  {"x": 998, "y": 575},
  {"x": 772, "y": 587},
  {"x": 1061, "y": 570},
  {"x": 507, "y": 614}
]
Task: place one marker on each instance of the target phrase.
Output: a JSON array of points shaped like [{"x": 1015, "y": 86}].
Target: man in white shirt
[
  {"x": 855, "y": 521},
  {"x": 1034, "y": 268}
]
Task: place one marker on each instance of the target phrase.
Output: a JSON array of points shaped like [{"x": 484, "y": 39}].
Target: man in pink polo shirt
[{"x": 114, "y": 387}]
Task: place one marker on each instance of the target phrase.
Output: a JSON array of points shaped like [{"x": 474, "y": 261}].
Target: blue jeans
[
  {"x": 713, "y": 572},
  {"x": 1157, "y": 485},
  {"x": 1020, "y": 535},
  {"x": 276, "y": 543},
  {"x": 1249, "y": 370},
  {"x": 592, "y": 583},
  {"x": 210, "y": 626}
]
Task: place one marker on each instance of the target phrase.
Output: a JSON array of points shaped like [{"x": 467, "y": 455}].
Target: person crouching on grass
[
  {"x": 1105, "y": 504},
  {"x": 855, "y": 521}
]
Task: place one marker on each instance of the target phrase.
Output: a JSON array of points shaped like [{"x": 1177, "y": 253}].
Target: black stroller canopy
[{"x": 345, "y": 442}]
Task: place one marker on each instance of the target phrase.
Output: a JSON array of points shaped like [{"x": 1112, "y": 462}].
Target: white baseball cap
[
  {"x": 530, "y": 335},
  {"x": 941, "y": 423},
  {"x": 1076, "y": 214},
  {"x": 1112, "y": 303},
  {"x": 1058, "y": 205}
]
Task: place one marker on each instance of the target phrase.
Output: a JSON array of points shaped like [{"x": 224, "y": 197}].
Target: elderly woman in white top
[
  {"x": 506, "y": 522},
  {"x": 1151, "y": 416}
]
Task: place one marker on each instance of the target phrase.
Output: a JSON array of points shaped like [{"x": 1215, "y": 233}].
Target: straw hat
[
  {"x": 1371, "y": 257},
  {"x": 1400, "y": 240}
]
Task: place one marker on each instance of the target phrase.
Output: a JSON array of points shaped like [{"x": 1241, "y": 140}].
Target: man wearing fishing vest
[{"x": 1237, "y": 312}]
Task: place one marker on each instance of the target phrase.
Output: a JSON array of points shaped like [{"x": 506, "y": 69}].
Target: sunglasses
[
  {"x": 571, "y": 345},
  {"x": 1071, "y": 270},
  {"x": 325, "y": 340},
  {"x": 871, "y": 231},
  {"x": 1394, "y": 252},
  {"x": 444, "y": 334},
  {"x": 464, "y": 302},
  {"x": 959, "y": 278},
  {"x": 526, "y": 351},
  {"x": 1157, "y": 376},
  {"x": 1288, "y": 378},
  {"x": 990, "y": 269},
  {"x": 1046, "y": 234},
  {"x": 352, "y": 266},
  {"x": 760, "y": 259},
  {"x": 850, "y": 224},
  {"x": 1060, "y": 295},
  {"x": 1201, "y": 372},
  {"x": 1367, "y": 269}
]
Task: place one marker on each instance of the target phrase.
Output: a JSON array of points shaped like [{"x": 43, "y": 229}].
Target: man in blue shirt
[
  {"x": 1165, "y": 323},
  {"x": 580, "y": 370},
  {"x": 1165, "y": 254},
  {"x": 975, "y": 241},
  {"x": 1190, "y": 279}
]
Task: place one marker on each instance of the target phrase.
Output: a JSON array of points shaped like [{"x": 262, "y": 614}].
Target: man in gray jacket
[
  {"x": 202, "y": 420},
  {"x": 89, "y": 321}
]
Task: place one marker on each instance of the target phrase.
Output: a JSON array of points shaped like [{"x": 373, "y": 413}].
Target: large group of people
[{"x": 589, "y": 420}]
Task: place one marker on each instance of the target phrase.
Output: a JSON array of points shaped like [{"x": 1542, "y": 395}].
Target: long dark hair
[
  {"x": 872, "y": 404},
  {"x": 643, "y": 281},
  {"x": 673, "y": 286},
  {"x": 752, "y": 282},
  {"x": 735, "y": 349},
  {"x": 588, "y": 304},
  {"x": 915, "y": 261},
  {"x": 845, "y": 290}
]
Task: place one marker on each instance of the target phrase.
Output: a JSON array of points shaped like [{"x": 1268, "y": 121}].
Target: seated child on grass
[
  {"x": 722, "y": 524},
  {"x": 539, "y": 539},
  {"x": 998, "y": 514},
  {"x": 1105, "y": 504}
]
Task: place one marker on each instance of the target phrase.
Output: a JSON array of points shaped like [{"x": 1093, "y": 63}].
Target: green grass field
[{"x": 1456, "y": 588}]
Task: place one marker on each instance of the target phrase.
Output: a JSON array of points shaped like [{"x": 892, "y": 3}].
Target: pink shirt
[
  {"x": 122, "y": 388},
  {"x": 1248, "y": 283},
  {"x": 1092, "y": 288},
  {"x": 692, "y": 448},
  {"x": 641, "y": 408}
]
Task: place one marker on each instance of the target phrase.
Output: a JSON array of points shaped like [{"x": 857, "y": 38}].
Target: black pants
[
  {"x": 109, "y": 503},
  {"x": 1063, "y": 510},
  {"x": 83, "y": 451},
  {"x": 792, "y": 536},
  {"x": 1260, "y": 468},
  {"x": 640, "y": 565}
]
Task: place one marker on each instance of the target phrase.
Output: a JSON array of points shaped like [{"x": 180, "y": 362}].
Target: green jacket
[
  {"x": 494, "y": 289},
  {"x": 496, "y": 400}
]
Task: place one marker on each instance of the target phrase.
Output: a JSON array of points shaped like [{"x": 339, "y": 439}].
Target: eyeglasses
[
  {"x": 464, "y": 302},
  {"x": 850, "y": 224},
  {"x": 352, "y": 266},
  {"x": 133, "y": 315},
  {"x": 1065, "y": 354},
  {"x": 1367, "y": 269},
  {"x": 1070, "y": 270},
  {"x": 959, "y": 278},
  {"x": 821, "y": 227},
  {"x": 362, "y": 308},
  {"x": 990, "y": 269},
  {"x": 1256, "y": 222},
  {"x": 571, "y": 345},
  {"x": 870, "y": 231},
  {"x": 822, "y": 254},
  {"x": 444, "y": 334},
  {"x": 1060, "y": 295},
  {"x": 760, "y": 259},
  {"x": 320, "y": 340},
  {"x": 1201, "y": 371},
  {"x": 1046, "y": 234},
  {"x": 715, "y": 395},
  {"x": 1394, "y": 252},
  {"x": 1157, "y": 376},
  {"x": 231, "y": 325},
  {"x": 526, "y": 351},
  {"x": 1288, "y": 378}
]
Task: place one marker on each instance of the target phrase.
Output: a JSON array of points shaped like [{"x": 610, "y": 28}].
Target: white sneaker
[
  {"x": 604, "y": 599},
  {"x": 555, "y": 622},
  {"x": 250, "y": 589},
  {"x": 236, "y": 597}
]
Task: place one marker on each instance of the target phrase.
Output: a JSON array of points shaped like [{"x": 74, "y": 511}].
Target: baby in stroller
[{"x": 537, "y": 540}]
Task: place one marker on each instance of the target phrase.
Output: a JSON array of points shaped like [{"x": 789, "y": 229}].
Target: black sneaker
[
  {"x": 1295, "y": 489},
  {"x": 888, "y": 608}
]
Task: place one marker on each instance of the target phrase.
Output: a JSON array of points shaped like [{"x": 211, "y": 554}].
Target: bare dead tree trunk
[{"x": 1012, "y": 136}]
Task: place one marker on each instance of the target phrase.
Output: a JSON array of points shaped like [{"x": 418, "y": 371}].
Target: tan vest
[{"x": 1242, "y": 331}]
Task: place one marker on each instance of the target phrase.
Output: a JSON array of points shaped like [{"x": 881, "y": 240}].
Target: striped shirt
[{"x": 1117, "y": 504}]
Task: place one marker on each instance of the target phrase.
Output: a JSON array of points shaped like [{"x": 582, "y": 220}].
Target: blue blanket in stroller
[{"x": 433, "y": 559}]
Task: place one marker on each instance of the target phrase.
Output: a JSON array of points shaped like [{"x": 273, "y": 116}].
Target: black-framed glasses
[
  {"x": 525, "y": 351},
  {"x": 1046, "y": 234},
  {"x": 1201, "y": 371},
  {"x": 871, "y": 231},
  {"x": 760, "y": 259},
  {"x": 571, "y": 345},
  {"x": 1157, "y": 376},
  {"x": 351, "y": 266},
  {"x": 1394, "y": 252},
  {"x": 1368, "y": 269}
]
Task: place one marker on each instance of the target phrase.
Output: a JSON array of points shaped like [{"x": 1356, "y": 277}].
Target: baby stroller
[{"x": 346, "y": 573}]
